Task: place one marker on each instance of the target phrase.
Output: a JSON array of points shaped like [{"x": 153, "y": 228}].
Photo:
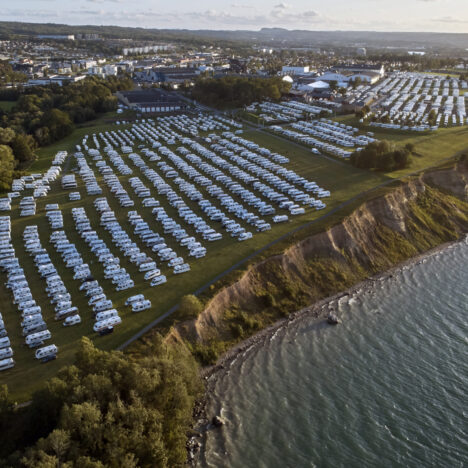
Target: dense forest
[
  {"x": 44, "y": 114},
  {"x": 382, "y": 156},
  {"x": 106, "y": 410},
  {"x": 236, "y": 91}
]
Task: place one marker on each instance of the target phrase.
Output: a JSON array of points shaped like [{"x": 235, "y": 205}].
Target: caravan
[
  {"x": 152, "y": 274},
  {"x": 102, "y": 305},
  {"x": 46, "y": 353},
  {"x": 36, "y": 339},
  {"x": 60, "y": 315},
  {"x": 106, "y": 324},
  {"x": 7, "y": 364},
  {"x": 158, "y": 280},
  {"x": 132, "y": 299},
  {"x": 106, "y": 315},
  {"x": 4, "y": 342},
  {"x": 72, "y": 320},
  {"x": 181, "y": 268},
  {"x": 6, "y": 353},
  {"x": 142, "y": 305}
]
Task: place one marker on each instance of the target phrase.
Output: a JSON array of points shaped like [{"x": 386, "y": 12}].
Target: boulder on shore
[
  {"x": 333, "y": 319},
  {"x": 217, "y": 421}
]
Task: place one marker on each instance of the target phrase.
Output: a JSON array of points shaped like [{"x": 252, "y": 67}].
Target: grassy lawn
[
  {"x": 46, "y": 153},
  {"x": 431, "y": 148}
]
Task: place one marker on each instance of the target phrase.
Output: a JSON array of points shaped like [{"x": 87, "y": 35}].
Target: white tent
[{"x": 316, "y": 85}]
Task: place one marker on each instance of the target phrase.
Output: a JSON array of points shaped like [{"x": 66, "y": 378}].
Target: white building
[{"x": 286, "y": 70}]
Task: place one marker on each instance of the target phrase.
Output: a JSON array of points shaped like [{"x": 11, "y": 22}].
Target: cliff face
[{"x": 382, "y": 232}]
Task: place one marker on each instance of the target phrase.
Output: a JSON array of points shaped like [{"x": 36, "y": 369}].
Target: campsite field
[
  {"x": 344, "y": 181},
  {"x": 28, "y": 374}
]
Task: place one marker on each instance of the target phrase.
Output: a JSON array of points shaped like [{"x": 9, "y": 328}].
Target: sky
[{"x": 370, "y": 15}]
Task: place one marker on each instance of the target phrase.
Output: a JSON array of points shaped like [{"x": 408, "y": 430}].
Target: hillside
[{"x": 415, "y": 217}]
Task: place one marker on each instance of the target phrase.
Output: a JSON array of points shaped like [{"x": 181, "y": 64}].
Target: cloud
[
  {"x": 240, "y": 5},
  {"x": 282, "y": 6},
  {"x": 450, "y": 20}
]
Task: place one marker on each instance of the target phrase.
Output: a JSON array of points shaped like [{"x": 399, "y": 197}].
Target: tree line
[
  {"x": 238, "y": 91},
  {"x": 106, "y": 410},
  {"x": 45, "y": 114},
  {"x": 382, "y": 156}
]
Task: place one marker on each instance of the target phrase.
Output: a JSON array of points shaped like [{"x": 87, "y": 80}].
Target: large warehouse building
[{"x": 151, "y": 101}]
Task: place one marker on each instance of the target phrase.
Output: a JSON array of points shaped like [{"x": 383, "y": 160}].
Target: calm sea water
[{"x": 388, "y": 387}]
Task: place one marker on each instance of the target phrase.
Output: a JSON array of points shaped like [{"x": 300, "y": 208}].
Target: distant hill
[{"x": 273, "y": 37}]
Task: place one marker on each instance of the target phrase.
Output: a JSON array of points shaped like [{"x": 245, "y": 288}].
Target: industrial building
[
  {"x": 151, "y": 101},
  {"x": 167, "y": 74}
]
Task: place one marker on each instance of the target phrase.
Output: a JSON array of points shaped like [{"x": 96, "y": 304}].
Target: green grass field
[
  {"x": 343, "y": 180},
  {"x": 430, "y": 148}
]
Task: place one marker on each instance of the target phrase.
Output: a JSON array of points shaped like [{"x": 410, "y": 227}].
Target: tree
[
  {"x": 333, "y": 85},
  {"x": 190, "y": 307},
  {"x": 6, "y": 136},
  {"x": 58, "y": 442},
  {"x": 410, "y": 147},
  {"x": 381, "y": 155},
  {"x": 21, "y": 149},
  {"x": 109, "y": 409},
  {"x": 7, "y": 167},
  {"x": 58, "y": 123}
]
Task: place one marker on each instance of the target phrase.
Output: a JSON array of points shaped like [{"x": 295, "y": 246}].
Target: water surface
[{"x": 387, "y": 387}]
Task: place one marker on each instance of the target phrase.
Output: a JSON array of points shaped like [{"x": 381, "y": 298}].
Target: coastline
[{"x": 317, "y": 310}]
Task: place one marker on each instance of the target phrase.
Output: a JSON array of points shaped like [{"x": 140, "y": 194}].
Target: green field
[
  {"x": 45, "y": 154},
  {"x": 344, "y": 181},
  {"x": 431, "y": 148}
]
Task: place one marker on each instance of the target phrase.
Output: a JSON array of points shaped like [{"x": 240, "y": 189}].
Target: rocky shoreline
[{"x": 318, "y": 310}]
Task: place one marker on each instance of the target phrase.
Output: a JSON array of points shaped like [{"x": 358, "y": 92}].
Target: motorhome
[
  {"x": 152, "y": 274},
  {"x": 34, "y": 328},
  {"x": 102, "y": 305},
  {"x": 136, "y": 298},
  {"x": 280, "y": 218},
  {"x": 62, "y": 305},
  {"x": 147, "y": 266},
  {"x": 72, "y": 320},
  {"x": 176, "y": 261},
  {"x": 45, "y": 352},
  {"x": 60, "y": 315},
  {"x": 106, "y": 314},
  {"x": 30, "y": 319},
  {"x": 6, "y": 364},
  {"x": 181, "y": 268},
  {"x": 125, "y": 285},
  {"x": 4, "y": 342},
  {"x": 141, "y": 305},
  {"x": 6, "y": 353},
  {"x": 36, "y": 339},
  {"x": 158, "y": 280},
  {"x": 108, "y": 323}
]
